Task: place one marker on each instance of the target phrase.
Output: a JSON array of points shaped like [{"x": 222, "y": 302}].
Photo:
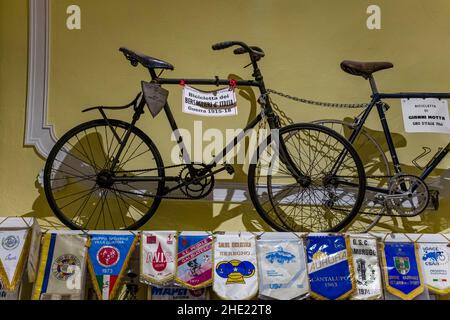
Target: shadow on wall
[{"x": 207, "y": 215}]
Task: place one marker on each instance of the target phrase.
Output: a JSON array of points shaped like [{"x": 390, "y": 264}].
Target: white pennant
[
  {"x": 235, "y": 271},
  {"x": 367, "y": 268},
  {"x": 12, "y": 244},
  {"x": 282, "y": 269},
  {"x": 158, "y": 253},
  {"x": 435, "y": 263}
]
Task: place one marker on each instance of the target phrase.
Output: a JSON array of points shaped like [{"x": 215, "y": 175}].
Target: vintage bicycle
[
  {"x": 390, "y": 191},
  {"x": 107, "y": 173}
]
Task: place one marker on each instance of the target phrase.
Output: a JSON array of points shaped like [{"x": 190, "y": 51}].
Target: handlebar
[
  {"x": 255, "y": 53},
  {"x": 224, "y": 45}
]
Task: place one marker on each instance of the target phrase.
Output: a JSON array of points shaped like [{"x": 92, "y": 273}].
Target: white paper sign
[
  {"x": 426, "y": 115},
  {"x": 220, "y": 103}
]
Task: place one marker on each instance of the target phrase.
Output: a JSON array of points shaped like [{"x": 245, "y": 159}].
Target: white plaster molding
[{"x": 38, "y": 133}]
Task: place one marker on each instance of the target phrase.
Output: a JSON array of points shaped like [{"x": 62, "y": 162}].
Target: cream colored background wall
[{"x": 304, "y": 43}]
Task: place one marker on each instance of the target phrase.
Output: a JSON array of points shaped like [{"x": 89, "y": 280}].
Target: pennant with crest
[
  {"x": 61, "y": 272},
  {"x": 236, "y": 273},
  {"x": 158, "y": 252},
  {"x": 329, "y": 266},
  {"x": 14, "y": 250},
  {"x": 282, "y": 269},
  {"x": 109, "y": 255},
  {"x": 435, "y": 265},
  {"x": 402, "y": 272},
  {"x": 194, "y": 259},
  {"x": 367, "y": 268},
  {"x": 177, "y": 293}
]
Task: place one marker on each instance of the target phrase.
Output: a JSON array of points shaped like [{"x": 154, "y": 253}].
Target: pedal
[
  {"x": 434, "y": 199},
  {"x": 229, "y": 168}
]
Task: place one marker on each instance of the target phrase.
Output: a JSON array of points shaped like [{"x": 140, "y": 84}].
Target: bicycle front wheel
[
  {"x": 80, "y": 186},
  {"x": 315, "y": 184}
]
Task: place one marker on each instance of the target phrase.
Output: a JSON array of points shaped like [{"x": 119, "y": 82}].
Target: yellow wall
[{"x": 304, "y": 43}]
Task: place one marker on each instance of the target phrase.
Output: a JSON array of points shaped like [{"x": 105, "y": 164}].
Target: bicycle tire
[
  {"x": 277, "y": 222},
  {"x": 57, "y": 148},
  {"x": 374, "y": 160}
]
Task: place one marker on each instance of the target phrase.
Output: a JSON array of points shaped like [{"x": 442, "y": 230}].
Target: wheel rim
[
  {"x": 294, "y": 207},
  {"x": 78, "y": 178},
  {"x": 375, "y": 164}
]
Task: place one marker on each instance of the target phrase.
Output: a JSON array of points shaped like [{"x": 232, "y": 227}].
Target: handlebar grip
[
  {"x": 254, "y": 49},
  {"x": 223, "y": 45}
]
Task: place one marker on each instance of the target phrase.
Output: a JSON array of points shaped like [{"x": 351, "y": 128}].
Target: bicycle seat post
[{"x": 373, "y": 85}]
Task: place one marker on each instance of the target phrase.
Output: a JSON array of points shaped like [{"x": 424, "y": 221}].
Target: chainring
[
  {"x": 408, "y": 196},
  {"x": 202, "y": 185}
]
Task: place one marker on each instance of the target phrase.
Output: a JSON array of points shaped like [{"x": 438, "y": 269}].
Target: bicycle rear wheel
[
  {"x": 78, "y": 184},
  {"x": 330, "y": 196},
  {"x": 376, "y": 166}
]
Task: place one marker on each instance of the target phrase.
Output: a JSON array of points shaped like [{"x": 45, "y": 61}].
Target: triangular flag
[
  {"x": 108, "y": 260},
  {"x": 14, "y": 247}
]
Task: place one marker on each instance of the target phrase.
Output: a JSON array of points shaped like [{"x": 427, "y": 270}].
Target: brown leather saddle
[{"x": 364, "y": 69}]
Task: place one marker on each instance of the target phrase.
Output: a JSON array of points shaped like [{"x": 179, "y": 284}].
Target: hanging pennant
[
  {"x": 35, "y": 245},
  {"x": 108, "y": 259},
  {"x": 218, "y": 103},
  {"x": 330, "y": 271},
  {"x": 14, "y": 249},
  {"x": 282, "y": 269},
  {"x": 62, "y": 267},
  {"x": 402, "y": 271},
  {"x": 236, "y": 274},
  {"x": 367, "y": 268},
  {"x": 158, "y": 251},
  {"x": 435, "y": 265},
  {"x": 177, "y": 293},
  {"x": 194, "y": 259}
]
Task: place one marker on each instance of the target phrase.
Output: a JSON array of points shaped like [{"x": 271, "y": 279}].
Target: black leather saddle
[
  {"x": 146, "y": 61},
  {"x": 364, "y": 69}
]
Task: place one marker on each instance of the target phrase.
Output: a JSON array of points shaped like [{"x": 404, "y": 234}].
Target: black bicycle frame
[
  {"x": 267, "y": 111},
  {"x": 377, "y": 101}
]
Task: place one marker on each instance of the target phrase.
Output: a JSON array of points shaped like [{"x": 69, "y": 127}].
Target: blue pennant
[
  {"x": 329, "y": 269},
  {"x": 402, "y": 276}
]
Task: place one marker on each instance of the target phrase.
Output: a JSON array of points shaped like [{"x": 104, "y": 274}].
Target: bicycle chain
[
  {"x": 318, "y": 103},
  {"x": 186, "y": 197}
]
